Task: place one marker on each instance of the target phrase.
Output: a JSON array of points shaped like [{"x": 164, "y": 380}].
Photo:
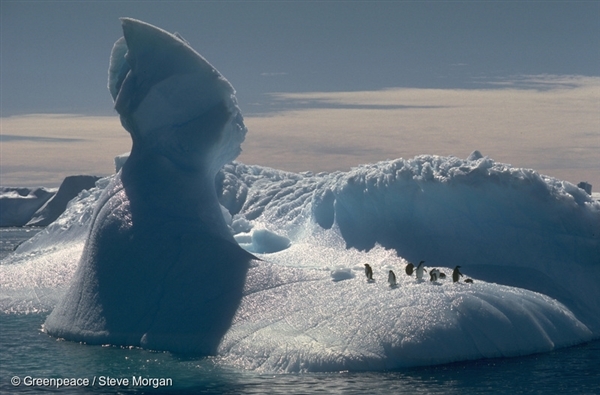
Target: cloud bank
[
  {"x": 42, "y": 149},
  {"x": 548, "y": 123}
]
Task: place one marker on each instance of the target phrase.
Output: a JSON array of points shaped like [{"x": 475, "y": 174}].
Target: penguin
[
  {"x": 368, "y": 272},
  {"x": 409, "y": 269},
  {"x": 469, "y": 281},
  {"x": 392, "y": 279},
  {"x": 420, "y": 270},
  {"x": 434, "y": 274},
  {"x": 442, "y": 275},
  {"x": 456, "y": 274}
]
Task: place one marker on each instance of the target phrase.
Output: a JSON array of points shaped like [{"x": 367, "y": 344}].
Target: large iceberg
[
  {"x": 160, "y": 262},
  {"x": 160, "y": 268}
]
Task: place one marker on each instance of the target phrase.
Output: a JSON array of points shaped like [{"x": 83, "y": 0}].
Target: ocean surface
[{"x": 28, "y": 356}]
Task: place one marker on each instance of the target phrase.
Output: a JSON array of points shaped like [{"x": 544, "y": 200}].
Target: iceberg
[
  {"x": 53, "y": 208},
  {"x": 18, "y": 205},
  {"x": 40, "y": 206},
  {"x": 529, "y": 242},
  {"x": 160, "y": 269},
  {"x": 156, "y": 260}
]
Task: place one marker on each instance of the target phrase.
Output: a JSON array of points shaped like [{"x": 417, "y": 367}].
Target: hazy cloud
[
  {"x": 4, "y": 138},
  {"x": 273, "y": 74},
  {"x": 548, "y": 123},
  {"x": 554, "y": 129},
  {"x": 42, "y": 149},
  {"x": 543, "y": 82}
]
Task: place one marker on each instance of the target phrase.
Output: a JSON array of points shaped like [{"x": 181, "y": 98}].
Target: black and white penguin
[
  {"x": 469, "y": 281},
  {"x": 442, "y": 275},
  {"x": 392, "y": 279},
  {"x": 410, "y": 268},
  {"x": 434, "y": 274},
  {"x": 368, "y": 272},
  {"x": 420, "y": 270},
  {"x": 456, "y": 274}
]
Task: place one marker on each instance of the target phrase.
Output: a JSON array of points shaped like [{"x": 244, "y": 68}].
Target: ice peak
[{"x": 171, "y": 100}]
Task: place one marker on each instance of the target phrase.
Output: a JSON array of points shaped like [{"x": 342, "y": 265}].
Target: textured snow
[
  {"x": 301, "y": 320},
  {"x": 530, "y": 243},
  {"x": 508, "y": 225}
]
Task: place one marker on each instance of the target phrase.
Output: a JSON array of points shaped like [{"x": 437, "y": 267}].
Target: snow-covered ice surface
[
  {"x": 511, "y": 226},
  {"x": 308, "y": 307},
  {"x": 530, "y": 243},
  {"x": 34, "y": 277}
]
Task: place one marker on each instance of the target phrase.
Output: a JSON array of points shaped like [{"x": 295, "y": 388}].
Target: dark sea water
[{"x": 27, "y": 353}]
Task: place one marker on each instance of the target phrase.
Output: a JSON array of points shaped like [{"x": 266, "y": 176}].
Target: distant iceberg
[
  {"x": 53, "y": 208},
  {"x": 40, "y": 206},
  {"x": 530, "y": 243},
  {"x": 18, "y": 205}
]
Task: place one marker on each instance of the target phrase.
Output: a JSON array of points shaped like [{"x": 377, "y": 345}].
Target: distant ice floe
[{"x": 40, "y": 206}]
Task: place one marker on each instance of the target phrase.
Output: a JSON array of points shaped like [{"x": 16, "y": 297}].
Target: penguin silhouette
[
  {"x": 392, "y": 279},
  {"x": 410, "y": 268},
  {"x": 420, "y": 270},
  {"x": 456, "y": 274},
  {"x": 368, "y": 272}
]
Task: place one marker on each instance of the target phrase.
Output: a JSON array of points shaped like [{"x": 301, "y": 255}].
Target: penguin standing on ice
[
  {"x": 434, "y": 275},
  {"x": 456, "y": 274},
  {"x": 409, "y": 268},
  {"x": 420, "y": 270},
  {"x": 392, "y": 279},
  {"x": 368, "y": 272}
]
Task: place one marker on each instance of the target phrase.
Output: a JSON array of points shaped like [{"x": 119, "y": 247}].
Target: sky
[{"x": 323, "y": 85}]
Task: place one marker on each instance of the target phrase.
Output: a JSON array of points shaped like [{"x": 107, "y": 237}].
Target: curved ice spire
[
  {"x": 170, "y": 97},
  {"x": 160, "y": 268}
]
